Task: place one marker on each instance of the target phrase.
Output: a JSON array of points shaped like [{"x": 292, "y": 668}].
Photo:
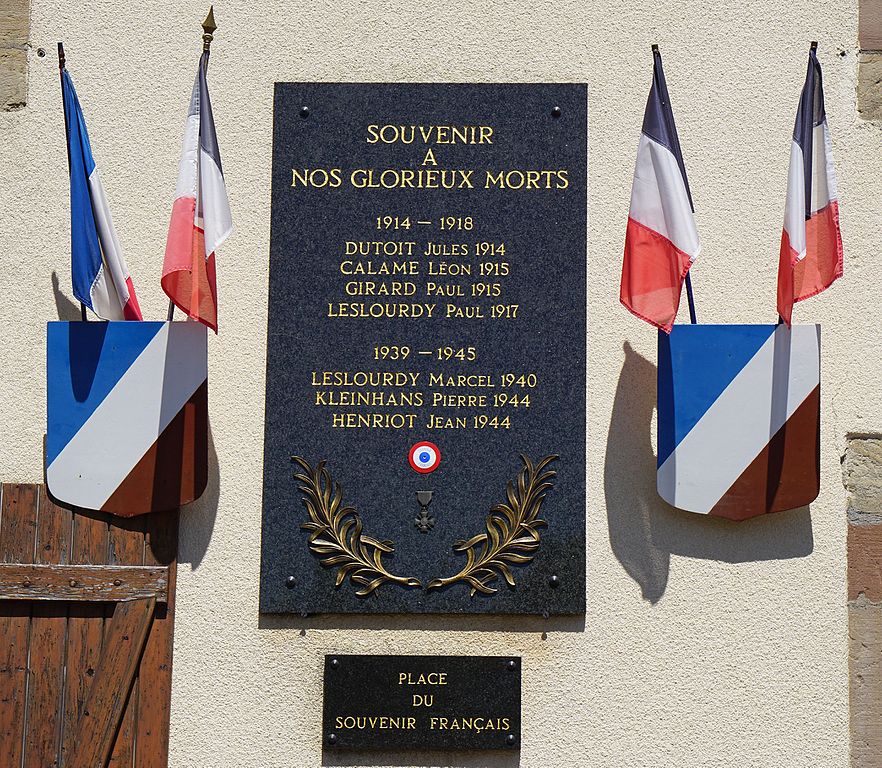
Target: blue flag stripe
[
  {"x": 207, "y": 135},
  {"x": 84, "y": 245},
  {"x": 809, "y": 114},
  {"x": 658, "y": 119}
]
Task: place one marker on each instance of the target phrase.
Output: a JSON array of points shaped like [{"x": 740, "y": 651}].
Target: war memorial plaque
[
  {"x": 426, "y": 350},
  {"x": 422, "y": 702}
]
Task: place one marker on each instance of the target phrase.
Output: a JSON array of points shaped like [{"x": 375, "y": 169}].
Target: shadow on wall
[
  {"x": 644, "y": 531},
  {"x": 425, "y": 622},
  {"x": 197, "y": 519},
  {"x": 434, "y": 759},
  {"x": 67, "y": 309}
]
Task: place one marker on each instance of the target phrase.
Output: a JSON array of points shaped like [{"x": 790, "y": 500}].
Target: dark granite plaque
[
  {"x": 426, "y": 350},
  {"x": 422, "y": 702}
]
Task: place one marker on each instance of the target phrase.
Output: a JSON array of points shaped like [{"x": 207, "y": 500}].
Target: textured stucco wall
[{"x": 705, "y": 643}]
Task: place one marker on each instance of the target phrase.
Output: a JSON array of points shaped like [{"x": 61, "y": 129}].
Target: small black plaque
[{"x": 422, "y": 702}]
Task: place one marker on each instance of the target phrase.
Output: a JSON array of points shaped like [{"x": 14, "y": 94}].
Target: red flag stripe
[
  {"x": 652, "y": 275},
  {"x": 193, "y": 290}
]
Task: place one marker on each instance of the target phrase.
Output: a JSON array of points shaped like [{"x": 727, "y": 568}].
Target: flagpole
[
  {"x": 208, "y": 28},
  {"x": 61, "y": 61},
  {"x": 689, "y": 296},
  {"x": 690, "y": 299}
]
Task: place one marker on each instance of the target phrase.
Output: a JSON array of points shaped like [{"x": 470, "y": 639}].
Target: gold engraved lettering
[
  {"x": 316, "y": 177},
  {"x": 373, "y": 288},
  {"x": 442, "y": 399},
  {"x": 470, "y": 381},
  {"x": 370, "y": 399},
  {"x": 529, "y": 179},
  {"x": 468, "y": 312},
  {"x": 405, "y": 178},
  {"x": 373, "y": 420},
  {"x": 364, "y": 379},
  {"x": 377, "y": 310},
  {"x": 380, "y": 268},
  {"x": 378, "y": 247},
  {"x": 447, "y": 290},
  {"x": 446, "y": 249},
  {"x": 444, "y": 422},
  {"x": 422, "y": 678},
  {"x": 430, "y": 134},
  {"x": 449, "y": 268}
]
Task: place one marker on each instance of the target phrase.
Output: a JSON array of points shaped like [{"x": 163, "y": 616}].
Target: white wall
[{"x": 705, "y": 643}]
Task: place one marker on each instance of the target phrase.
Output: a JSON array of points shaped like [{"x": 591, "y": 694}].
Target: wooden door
[{"x": 86, "y": 623}]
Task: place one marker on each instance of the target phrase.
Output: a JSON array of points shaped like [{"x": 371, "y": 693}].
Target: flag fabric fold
[
  {"x": 101, "y": 279},
  {"x": 811, "y": 244},
  {"x": 662, "y": 241},
  {"x": 200, "y": 219}
]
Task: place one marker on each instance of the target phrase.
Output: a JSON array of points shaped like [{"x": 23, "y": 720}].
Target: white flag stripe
[
  {"x": 106, "y": 303},
  {"x": 116, "y": 436},
  {"x": 659, "y": 199},
  {"x": 794, "y": 208},
  {"x": 824, "y": 182},
  {"x": 823, "y": 186},
  {"x": 740, "y": 423},
  {"x": 188, "y": 165},
  {"x": 218, "y": 221}
]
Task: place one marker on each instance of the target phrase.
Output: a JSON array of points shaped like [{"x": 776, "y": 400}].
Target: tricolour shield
[
  {"x": 127, "y": 415},
  {"x": 739, "y": 418}
]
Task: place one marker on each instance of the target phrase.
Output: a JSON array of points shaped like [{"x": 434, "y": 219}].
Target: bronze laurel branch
[
  {"x": 336, "y": 533},
  {"x": 512, "y": 532}
]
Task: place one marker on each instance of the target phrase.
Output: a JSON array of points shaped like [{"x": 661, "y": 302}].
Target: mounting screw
[
  {"x": 512, "y": 664},
  {"x": 332, "y": 738},
  {"x": 290, "y": 582},
  {"x": 555, "y": 112},
  {"x": 510, "y": 739},
  {"x": 335, "y": 663},
  {"x": 554, "y": 581},
  {"x": 72, "y": 582},
  {"x": 304, "y": 113},
  {"x": 41, "y": 52},
  {"x": 26, "y": 583}
]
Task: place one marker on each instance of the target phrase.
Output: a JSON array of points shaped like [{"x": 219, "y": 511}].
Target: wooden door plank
[
  {"x": 91, "y": 583},
  {"x": 85, "y": 630},
  {"x": 124, "y": 644},
  {"x": 18, "y": 518},
  {"x": 126, "y": 538},
  {"x": 151, "y": 741},
  {"x": 48, "y": 635}
]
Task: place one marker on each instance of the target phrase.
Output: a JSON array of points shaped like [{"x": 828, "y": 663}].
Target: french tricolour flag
[
  {"x": 101, "y": 278},
  {"x": 811, "y": 245},
  {"x": 661, "y": 241},
  {"x": 200, "y": 219}
]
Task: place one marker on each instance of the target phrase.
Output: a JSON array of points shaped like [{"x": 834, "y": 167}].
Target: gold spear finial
[{"x": 208, "y": 27}]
